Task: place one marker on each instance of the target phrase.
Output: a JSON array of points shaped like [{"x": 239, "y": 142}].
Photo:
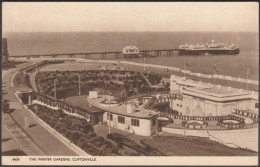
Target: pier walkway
[{"x": 101, "y": 55}]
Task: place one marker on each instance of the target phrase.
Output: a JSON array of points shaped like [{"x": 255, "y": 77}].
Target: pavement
[{"x": 35, "y": 140}]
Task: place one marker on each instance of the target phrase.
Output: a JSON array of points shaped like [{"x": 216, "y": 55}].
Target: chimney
[{"x": 130, "y": 108}]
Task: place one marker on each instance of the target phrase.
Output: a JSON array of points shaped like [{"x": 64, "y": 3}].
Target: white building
[
  {"x": 130, "y": 51},
  {"x": 130, "y": 118},
  {"x": 202, "y": 99}
]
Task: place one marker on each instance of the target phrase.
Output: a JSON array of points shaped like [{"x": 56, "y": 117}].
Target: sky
[{"x": 129, "y": 16}]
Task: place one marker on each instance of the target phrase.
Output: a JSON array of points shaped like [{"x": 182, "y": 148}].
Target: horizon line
[{"x": 113, "y": 31}]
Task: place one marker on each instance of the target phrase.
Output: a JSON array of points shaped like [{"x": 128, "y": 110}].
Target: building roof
[
  {"x": 81, "y": 102},
  {"x": 220, "y": 92},
  {"x": 122, "y": 109},
  {"x": 130, "y": 48}
]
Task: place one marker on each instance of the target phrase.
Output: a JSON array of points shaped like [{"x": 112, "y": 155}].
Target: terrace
[{"x": 121, "y": 109}]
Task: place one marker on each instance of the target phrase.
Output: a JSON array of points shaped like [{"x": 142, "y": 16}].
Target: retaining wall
[{"x": 243, "y": 138}]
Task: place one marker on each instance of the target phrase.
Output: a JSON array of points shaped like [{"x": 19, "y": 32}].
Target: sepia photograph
[{"x": 130, "y": 83}]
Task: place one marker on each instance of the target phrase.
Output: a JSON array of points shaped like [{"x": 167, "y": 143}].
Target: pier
[{"x": 99, "y": 55}]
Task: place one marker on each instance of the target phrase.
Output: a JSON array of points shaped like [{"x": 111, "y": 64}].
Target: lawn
[
  {"x": 80, "y": 101},
  {"x": 175, "y": 145},
  {"x": 73, "y": 66},
  {"x": 95, "y": 66},
  {"x": 181, "y": 146}
]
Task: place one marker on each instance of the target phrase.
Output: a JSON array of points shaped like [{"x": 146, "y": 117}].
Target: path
[
  {"x": 147, "y": 80},
  {"x": 52, "y": 146}
]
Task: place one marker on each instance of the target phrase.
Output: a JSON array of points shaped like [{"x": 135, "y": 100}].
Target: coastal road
[
  {"x": 37, "y": 140},
  {"x": 14, "y": 141}
]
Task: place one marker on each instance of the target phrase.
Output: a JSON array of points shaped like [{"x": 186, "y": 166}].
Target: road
[{"x": 37, "y": 140}]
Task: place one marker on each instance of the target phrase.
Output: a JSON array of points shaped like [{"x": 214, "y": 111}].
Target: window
[
  {"x": 180, "y": 105},
  {"x": 154, "y": 121},
  {"x": 135, "y": 122},
  {"x": 256, "y": 105},
  {"x": 111, "y": 116},
  {"x": 121, "y": 120},
  {"x": 177, "y": 105}
]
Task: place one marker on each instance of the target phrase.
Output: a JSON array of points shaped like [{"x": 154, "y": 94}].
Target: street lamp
[
  {"x": 55, "y": 93},
  {"x": 79, "y": 84},
  {"x": 109, "y": 128},
  {"x": 36, "y": 66},
  {"x": 144, "y": 62}
]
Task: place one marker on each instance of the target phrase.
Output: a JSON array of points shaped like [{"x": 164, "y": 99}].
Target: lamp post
[
  {"x": 79, "y": 84},
  {"x": 247, "y": 72},
  {"x": 184, "y": 69},
  {"x": 55, "y": 95},
  {"x": 109, "y": 128},
  {"x": 144, "y": 62},
  {"x": 36, "y": 66},
  {"x": 214, "y": 77}
]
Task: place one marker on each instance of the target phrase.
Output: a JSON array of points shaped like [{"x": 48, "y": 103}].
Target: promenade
[{"x": 41, "y": 141}]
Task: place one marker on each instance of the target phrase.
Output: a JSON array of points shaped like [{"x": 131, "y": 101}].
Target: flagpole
[
  {"x": 247, "y": 78},
  {"x": 55, "y": 89},
  {"x": 109, "y": 128},
  {"x": 184, "y": 69},
  {"x": 214, "y": 76},
  {"x": 79, "y": 84},
  {"x": 144, "y": 62},
  {"x": 215, "y": 71}
]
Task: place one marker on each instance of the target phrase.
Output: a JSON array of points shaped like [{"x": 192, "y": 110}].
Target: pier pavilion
[{"x": 130, "y": 51}]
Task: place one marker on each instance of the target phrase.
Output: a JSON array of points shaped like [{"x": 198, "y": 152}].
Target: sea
[{"x": 29, "y": 43}]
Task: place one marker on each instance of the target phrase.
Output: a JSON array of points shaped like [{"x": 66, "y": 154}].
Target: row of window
[
  {"x": 131, "y": 51},
  {"x": 134, "y": 122}
]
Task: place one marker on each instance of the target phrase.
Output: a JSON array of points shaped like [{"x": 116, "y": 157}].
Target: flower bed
[
  {"x": 194, "y": 124},
  {"x": 234, "y": 123},
  {"x": 75, "y": 129},
  {"x": 90, "y": 79}
]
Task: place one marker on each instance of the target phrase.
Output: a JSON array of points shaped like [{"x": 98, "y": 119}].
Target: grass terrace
[{"x": 120, "y": 83}]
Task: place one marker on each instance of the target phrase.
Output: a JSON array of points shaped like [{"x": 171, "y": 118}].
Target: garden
[
  {"x": 82, "y": 134},
  {"x": 120, "y": 83},
  {"x": 22, "y": 79},
  {"x": 75, "y": 129}
]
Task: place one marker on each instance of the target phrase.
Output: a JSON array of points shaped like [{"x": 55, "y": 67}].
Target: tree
[{"x": 87, "y": 128}]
